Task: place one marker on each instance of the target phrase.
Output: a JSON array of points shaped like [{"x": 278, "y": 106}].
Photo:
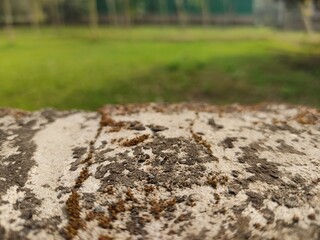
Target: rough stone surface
[{"x": 161, "y": 172}]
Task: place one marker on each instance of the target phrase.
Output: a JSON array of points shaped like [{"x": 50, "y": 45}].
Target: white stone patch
[
  {"x": 91, "y": 185},
  {"x": 7, "y": 150},
  {"x": 54, "y": 156},
  {"x": 44, "y": 235},
  {"x": 11, "y": 137},
  {"x": 8, "y": 123},
  {"x": 7, "y": 211},
  {"x": 177, "y": 121}
]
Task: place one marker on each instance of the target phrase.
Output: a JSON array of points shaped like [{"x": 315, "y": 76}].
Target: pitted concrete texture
[{"x": 161, "y": 172}]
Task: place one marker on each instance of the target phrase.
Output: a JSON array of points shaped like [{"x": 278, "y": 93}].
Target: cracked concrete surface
[{"x": 161, "y": 172}]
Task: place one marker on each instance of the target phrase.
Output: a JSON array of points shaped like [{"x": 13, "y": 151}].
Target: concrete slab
[{"x": 161, "y": 172}]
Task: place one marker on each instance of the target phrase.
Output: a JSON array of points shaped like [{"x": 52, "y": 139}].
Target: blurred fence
[{"x": 134, "y": 12}]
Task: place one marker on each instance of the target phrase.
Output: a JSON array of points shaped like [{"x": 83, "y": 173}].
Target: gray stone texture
[{"x": 186, "y": 171}]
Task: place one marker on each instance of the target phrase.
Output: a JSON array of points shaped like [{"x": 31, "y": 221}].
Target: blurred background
[{"x": 87, "y": 53}]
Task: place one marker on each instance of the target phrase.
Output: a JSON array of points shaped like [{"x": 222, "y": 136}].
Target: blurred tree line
[
  {"x": 44, "y": 11},
  {"x": 114, "y": 11},
  {"x": 126, "y": 12},
  {"x": 307, "y": 8}
]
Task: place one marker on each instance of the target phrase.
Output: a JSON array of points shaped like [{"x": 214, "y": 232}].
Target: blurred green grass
[{"x": 66, "y": 68}]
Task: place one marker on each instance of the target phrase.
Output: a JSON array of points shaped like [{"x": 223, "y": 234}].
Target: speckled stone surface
[{"x": 161, "y": 172}]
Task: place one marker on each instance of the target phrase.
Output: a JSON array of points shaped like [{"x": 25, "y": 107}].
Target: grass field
[{"x": 65, "y": 68}]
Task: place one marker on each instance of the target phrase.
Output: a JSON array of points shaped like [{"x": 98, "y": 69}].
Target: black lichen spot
[
  {"x": 213, "y": 124},
  {"x": 199, "y": 236},
  {"x": 312, "y": 217},
  {"x": 268, "y": 214},
  {"x": 157, "y": 128},
  {"x": 2, "y": 232},
  {"x": 138, "y": 126},
  {"x": 16, "y": 173},
  {"x": 295, "y": 219},
  {"x": 292, "y": 201},
  {"x": 285, "y": 148},
  {"x": 183, "y": 217},
  {"x": 88, "y": 200},
  {"x": 262, "y": 170},
  {"x": 234, "y": 189},
  {"x": 238, "y": 209},
  {"x": 228, "y": 142},
  {"x": 256, "y": 199},
  {"x": 78, "y": 152},
  {"x": 136, "y": 224},
  {"x": 298, "y": 179},
  {"x": 282, "y": 127},
  {"x": 241, "y": 228},
  {"x": 3, "y": 136},
  {"x": 27, "y": 205}
]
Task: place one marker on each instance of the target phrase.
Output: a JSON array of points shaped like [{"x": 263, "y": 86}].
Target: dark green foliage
[{"x": 74, "y": 11}]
